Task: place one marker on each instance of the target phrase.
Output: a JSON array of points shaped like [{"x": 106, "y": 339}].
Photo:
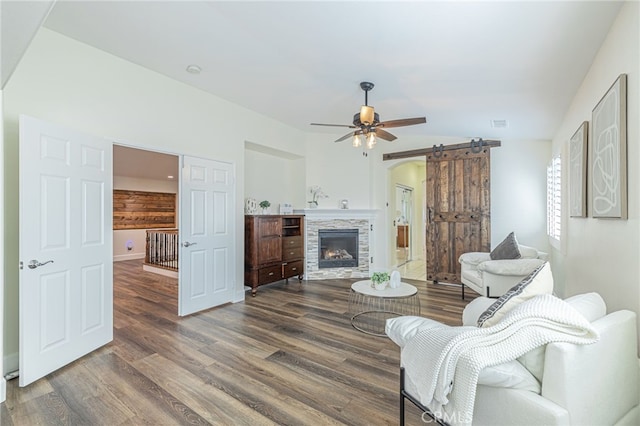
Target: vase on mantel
[{"x": 313, "y": 204}]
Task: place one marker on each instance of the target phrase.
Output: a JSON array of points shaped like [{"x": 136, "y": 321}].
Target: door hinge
[
  {"x": 371, "y": 259},
  {"x": 371, "y": 227},
  {"x": 21, "y": 264}
]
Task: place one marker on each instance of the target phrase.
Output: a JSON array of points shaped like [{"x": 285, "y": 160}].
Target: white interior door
[
  {"x": 66, "y": 276},
  {"x": 207, "y": 237}
]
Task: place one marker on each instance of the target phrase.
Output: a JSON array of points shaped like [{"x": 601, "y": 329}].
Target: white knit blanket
[{"x": 442, "y": 364}]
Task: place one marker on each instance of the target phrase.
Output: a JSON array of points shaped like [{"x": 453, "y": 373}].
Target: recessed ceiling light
[
  {"x": 194, "y": 69},
  {"x": 169, "y": 177}
]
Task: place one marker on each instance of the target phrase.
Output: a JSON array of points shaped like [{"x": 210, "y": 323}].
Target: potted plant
[
  {"x": 379, "y": 280},
  {"x": 264, "y": 205}
]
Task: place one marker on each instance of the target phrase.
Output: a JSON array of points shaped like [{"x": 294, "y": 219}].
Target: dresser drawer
[
  {"x": 291, "y": 242},
  {"x": 292, "y": 253},
  {"x": 270, "y": 274},
  {"x": 293, "y": 269}
]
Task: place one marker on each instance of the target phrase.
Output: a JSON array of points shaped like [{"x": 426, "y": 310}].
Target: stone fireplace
[{"x": 347, "y": 227}]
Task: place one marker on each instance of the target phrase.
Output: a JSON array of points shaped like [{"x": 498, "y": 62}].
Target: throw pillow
[
  {"x": 590, "y": 305},
  {"x": 507, "y": 249},
  {"x": 540, "y": 281},
  {"x": 404, "y": 328}
]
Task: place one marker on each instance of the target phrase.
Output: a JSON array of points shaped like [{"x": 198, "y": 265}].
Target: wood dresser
[{"x": 273, "y": 249}]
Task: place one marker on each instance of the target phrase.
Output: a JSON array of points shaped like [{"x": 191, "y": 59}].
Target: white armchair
[
  {"x": 561, "y": 383},
  {"x": 492, "y": 278}
]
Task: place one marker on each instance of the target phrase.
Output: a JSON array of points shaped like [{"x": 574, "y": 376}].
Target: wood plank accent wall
[{"x": 143, "y": 210}]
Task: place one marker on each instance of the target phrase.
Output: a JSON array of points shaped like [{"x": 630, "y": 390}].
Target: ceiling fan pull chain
[
  {"x": 476, "y": 146},
  {"x": 438, "y": 150}
]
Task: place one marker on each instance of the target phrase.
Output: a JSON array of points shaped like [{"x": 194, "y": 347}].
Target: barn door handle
[
  {"x": 33, "y": 264},
  {"x": 188, "y": 244},
  {"x": 430, "y": 210}
]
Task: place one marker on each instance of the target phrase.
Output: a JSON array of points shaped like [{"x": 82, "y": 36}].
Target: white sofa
[
  {"x": 582, "y": 385},
  {"x": 492, "y": 278}
]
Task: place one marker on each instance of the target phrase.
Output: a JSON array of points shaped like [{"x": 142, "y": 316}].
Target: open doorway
[
  {"x": 196, "y": 249},
  {"x": 406, "y": 193},
  {"x": 145, "y": 214},
  {"x": 403, "y": 223}
]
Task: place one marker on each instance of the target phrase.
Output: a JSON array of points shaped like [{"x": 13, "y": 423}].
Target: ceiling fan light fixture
[
  {"x": 371, "y": 140},
  {"x": 357, "y": 141},
  {"x": 366, "y": 115}
]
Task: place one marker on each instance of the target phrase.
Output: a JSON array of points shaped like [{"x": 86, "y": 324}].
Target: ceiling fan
[{"x": 368, "y": 124}]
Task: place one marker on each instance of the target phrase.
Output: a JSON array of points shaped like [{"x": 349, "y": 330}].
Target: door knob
[
  {"x": 33, "y": 264},
  {"x": 188, "y": 244}
]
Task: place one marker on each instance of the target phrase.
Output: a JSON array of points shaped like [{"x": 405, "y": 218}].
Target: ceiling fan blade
[
  {"x": 350, "y": 126},
  {"x": 403, "y": 122},
  {"x": 383, "y": 134},
  {"x": 345, "y": 137}
]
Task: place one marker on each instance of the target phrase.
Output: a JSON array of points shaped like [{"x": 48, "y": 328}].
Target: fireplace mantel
[{"x": 337, "y": 213}]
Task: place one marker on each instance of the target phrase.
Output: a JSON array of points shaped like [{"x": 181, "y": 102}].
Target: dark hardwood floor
[{"x": 288, "y": 356}]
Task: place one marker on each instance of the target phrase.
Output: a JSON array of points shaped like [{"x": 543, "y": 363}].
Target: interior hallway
[{"x": 415, "y": 269}]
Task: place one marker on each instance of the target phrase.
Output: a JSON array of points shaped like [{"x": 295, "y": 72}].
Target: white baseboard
[
  {"x": 160, "y": 271},
  {"x": 11, "y": 362},
  {"x": 132, "y": 256},
  {"x": 3, "y": 389}
]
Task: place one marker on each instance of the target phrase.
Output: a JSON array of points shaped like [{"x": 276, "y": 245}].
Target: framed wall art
[
  {"x": 578, "y": 172},
  {"x": 608, "y": 153}
]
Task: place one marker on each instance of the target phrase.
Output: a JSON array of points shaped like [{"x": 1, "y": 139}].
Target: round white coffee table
[{"x": 370, "y": 308}]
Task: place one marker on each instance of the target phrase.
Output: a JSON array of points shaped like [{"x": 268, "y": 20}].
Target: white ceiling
[
  {"x": 143, "y": 164},
  {"x": 460, "y": 64}
]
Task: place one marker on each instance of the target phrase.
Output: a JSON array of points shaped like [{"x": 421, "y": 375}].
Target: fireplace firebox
[{"x": 337, "y": 248}]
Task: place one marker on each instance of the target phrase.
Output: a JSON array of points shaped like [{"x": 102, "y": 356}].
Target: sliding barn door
[{"x": 458, "y": 209}]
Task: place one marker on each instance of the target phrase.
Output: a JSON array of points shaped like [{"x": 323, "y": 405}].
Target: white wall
[
  {"x": 519, "y": 192},
  {"x": 275, "y": 179},
  {"x": 138, "y": 237},
  {"x": 69, "y": 83},
  {"x": 518, "y": 184},
  {"x": 341, "y": 170},
  {"x": 603, "y": 254}
]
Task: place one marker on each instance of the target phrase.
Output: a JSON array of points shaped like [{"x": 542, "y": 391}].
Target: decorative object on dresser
[
  {"x": 273, "y": 249},
  {"x": 286, "y": 208},
  {"x": 264, "y": 205},
  {"x": 250, "y": 206}
]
